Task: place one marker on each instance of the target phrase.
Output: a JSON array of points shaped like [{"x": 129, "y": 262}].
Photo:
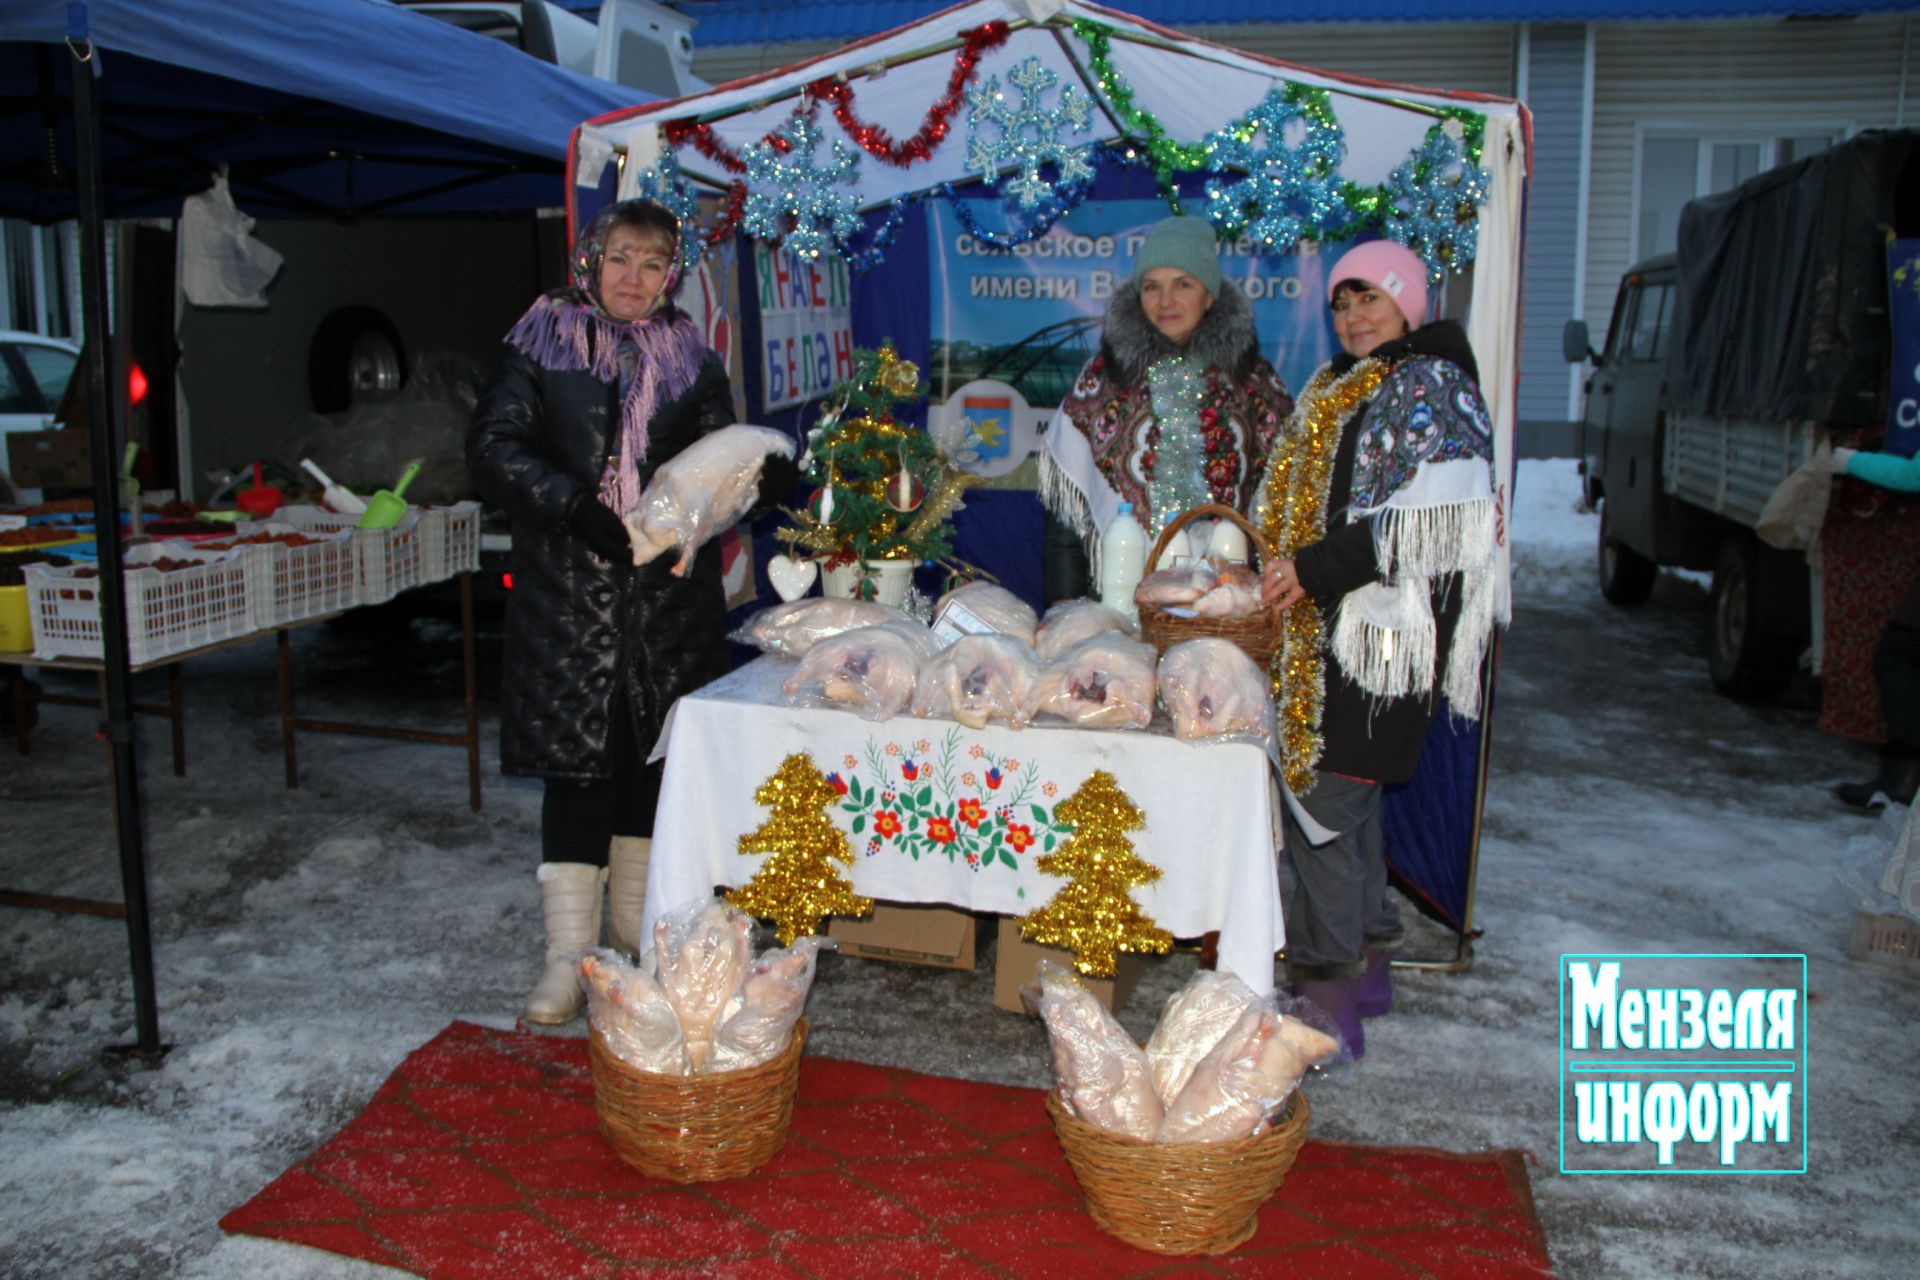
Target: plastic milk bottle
[{"x": 1123, "y": 557}]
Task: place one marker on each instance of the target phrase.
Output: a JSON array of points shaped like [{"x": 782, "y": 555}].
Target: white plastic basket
[
  {"x": 450, "y": 540},
  {"x": 389, "y": 559},
  {"x": 292, "y": 583},
  {"x": 168, "y": 611}
]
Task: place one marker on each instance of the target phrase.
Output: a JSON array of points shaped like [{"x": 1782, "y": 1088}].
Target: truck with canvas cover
[{"x": 1724, "y": 365}]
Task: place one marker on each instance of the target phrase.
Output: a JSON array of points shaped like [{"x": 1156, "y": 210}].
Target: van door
[{"x": 1627, "y": 388}]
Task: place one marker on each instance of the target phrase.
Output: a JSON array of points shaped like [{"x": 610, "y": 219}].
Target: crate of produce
[
  {"x": 16, "y": 616},
  {"x": 177, "y": 599},
  {"x": 389, "y": 559},
  {"x": 1888, "y": 941},
  {"x": 449, "y": 540},
  {"x": 295, "y": 574}
]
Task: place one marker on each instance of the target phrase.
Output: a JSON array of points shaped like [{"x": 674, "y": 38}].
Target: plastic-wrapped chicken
[
  {"x": 1175, "y": 588},
  {"x": 1196, "y": 1018},
  {"x": 995, "y": 607},
  {"x": 1100, "y": 1072},
  {"x": 1071, "y": 621},
  {"x": 976, "y": 679},
  {"x": 700, "y": 954},
  {"x": 1104, "y": 682},
  {"x": 1244, "y": 1078},
  {"x": 627, "y": 1006},
  {"x": 701, "y": 490},
  {"x": 758, "y": 1022},
  {"x": 1212, "y": 689},
  {"x": 1235, "y": 592},
  {"x": 872, "y": 669},
  {"x": 795, "y": 627}
]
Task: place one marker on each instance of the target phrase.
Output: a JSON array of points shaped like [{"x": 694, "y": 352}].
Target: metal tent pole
[{"x": 103, "y": 420}]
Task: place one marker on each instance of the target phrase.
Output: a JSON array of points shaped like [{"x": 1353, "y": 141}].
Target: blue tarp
[
  {"x": 319, "y": 107},
  {"x": 734, "y": 22}
]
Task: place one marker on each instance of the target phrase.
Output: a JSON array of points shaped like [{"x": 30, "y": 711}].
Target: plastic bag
[
  {"x": 1210, "y": 588},
  {"x": 1071, "y": 621},
  {"x": 1104, "y": 682},
  {"x": 1100, "y": 1073},
  {"x": 221, "y": 264},
  {"x": 1244, "y": 1078},
  {"x": 1797, "y": 507},
  {"x": 869, "y": 670},
  {"x": 976, "y": 679},
  {"x": 1196, "y": 1018},
  {"x": 994, "y": 606},
  {"x": 627, "y": 1006},
  {"x": 757, "y": 1024},
  {"x": 700, "y": 954},
  {"x": 1213, "y": 690},
  {"x": 700, "y": 491},
  {"x": 795, "y": 627}
]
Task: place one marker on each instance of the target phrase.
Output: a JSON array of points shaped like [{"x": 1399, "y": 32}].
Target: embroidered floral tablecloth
[{"x": 939, "y": 813}]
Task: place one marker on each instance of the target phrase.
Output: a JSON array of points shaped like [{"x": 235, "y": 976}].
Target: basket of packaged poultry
[
  {"x": 1207, "y": 596},
  {"x": 1178, "y": 1144},
  {"x": 696, "y": 1050}
]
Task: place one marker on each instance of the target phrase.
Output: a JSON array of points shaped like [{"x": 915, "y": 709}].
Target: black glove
[
  {"x": 778, "y": 475},
  {"x": 601, "y": 530}
]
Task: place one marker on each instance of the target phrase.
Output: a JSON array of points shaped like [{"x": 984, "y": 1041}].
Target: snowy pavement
[{"x": 306, "y": 941}]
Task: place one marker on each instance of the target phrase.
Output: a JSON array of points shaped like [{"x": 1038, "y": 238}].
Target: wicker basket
[
  {"x": 700, "y": 1128},
  {"x": 1257, "y": 633},
  {"x": 1179, "y": 1198}
]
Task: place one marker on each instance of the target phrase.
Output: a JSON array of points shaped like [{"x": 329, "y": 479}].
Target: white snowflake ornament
[
  {"x": 1029, "y": 136},
  {"x": 809, "y": 206}
]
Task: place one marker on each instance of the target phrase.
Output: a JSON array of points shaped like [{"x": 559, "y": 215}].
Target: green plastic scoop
[{"x": 386, "y": 508}]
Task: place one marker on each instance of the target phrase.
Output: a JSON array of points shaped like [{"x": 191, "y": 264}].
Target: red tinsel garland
[{"x": 873, "y": 139}]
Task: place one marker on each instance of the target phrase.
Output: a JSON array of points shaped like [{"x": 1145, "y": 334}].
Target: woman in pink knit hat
[{"x": 1378, "y": 501}]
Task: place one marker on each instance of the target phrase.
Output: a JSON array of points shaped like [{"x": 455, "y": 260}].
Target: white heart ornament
[{"x": 792, "y": 578}]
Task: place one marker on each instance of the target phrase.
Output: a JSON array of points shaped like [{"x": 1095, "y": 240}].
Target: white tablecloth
[{"x": 1209, "y": 809}]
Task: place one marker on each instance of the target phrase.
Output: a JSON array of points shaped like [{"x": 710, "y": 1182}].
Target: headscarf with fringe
[{"x": 653, "y": 360}]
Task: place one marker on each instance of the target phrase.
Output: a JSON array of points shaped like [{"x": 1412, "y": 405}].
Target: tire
[
  {"x": 1753, "y": 635},
  {"x": 356, "y": 358},
  {"x": 1626, "y": 576}
]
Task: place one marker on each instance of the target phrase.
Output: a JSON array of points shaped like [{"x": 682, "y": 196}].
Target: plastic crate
[
  {"x": 167, "y": 612},
  {"x": 288, "y": 584},
  {"x": 450, "y": 540},
  {"x": 389, "y": 559},
  {"x": 1888, "y": 941}
]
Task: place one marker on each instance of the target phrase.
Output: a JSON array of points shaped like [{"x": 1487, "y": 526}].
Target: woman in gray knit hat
[{"x": 1178, "y": 408}]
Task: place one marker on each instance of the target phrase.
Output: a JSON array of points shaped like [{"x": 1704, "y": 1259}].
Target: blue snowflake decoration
[
  {"x": 1029, "y": 136},
  {"x": 1433, "y": 200},
  {"x": 811, "y": 207},
  {"x": 1290, "y": 189},
  {"x": 664, "y": 186}
]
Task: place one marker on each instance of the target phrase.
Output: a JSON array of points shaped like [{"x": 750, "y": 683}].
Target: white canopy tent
[{"x": 1190, "y": 87}]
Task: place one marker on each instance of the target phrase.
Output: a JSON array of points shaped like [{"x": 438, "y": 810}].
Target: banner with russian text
[
  {"x": 1903, "y": 313},
  {"x": 806, "y": 326}
]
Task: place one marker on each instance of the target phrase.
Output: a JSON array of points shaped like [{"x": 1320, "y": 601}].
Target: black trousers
[
  {"x": 1896, "y": 664},
  {"x": 578, "y": 820}
]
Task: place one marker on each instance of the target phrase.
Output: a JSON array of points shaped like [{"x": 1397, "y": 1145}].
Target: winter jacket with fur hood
[{"x": 1104, "y": 443}]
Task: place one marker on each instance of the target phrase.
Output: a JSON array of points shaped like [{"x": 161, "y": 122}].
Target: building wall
[
  {"x": 1765, "y": 75},
  {"x": 1554, "y": 74}
]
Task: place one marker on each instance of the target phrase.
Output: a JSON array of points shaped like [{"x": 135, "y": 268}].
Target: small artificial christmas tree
[
  {"x": 1095, "y": 916},
  {"x": 798, "y": 885},
  {"x": 883, "y": 489}
]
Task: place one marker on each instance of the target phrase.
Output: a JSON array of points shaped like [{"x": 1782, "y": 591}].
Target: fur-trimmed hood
[{"x": 1225, "y": 340}]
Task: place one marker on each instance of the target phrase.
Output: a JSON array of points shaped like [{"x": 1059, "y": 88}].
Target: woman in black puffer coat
[{"x": 599, "y": 385}]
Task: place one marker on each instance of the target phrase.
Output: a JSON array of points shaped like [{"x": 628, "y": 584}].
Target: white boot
[
  {"x": 627, "y": 859},
  {"x": 570, "y": 897}
]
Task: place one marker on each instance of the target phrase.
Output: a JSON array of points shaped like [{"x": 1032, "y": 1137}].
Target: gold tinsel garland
[
  {"x": 1293, "y": 514},
  {"x": 798, "y": 886},
  {"x": 1095, "y": 915}
]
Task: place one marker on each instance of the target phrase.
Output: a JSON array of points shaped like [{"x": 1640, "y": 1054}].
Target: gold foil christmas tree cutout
[
  {"x": 1095, "y": 916},
  {"x": 798, "y": 886}
]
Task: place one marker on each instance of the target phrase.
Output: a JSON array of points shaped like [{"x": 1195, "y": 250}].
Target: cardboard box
[
  {"x": 1015, "y": 960},
  {"x": 937, "y": 936},
  {"x": 59, "y": 459}
]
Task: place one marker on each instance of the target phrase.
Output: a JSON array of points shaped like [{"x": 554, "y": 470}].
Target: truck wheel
[
  {"x": 356, "y": 358},
  {"x": 1626, "y": 576},
  {"x": 1756, "y": 619}
]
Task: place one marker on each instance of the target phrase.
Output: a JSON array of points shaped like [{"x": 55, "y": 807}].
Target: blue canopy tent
[{"x": 341, "y": 108}]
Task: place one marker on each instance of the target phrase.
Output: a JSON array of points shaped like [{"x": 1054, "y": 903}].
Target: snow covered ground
[{"x": 307, "y": 940}]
